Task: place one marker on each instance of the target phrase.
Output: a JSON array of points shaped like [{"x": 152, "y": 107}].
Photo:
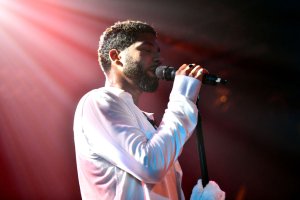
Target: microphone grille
[
  {"x": 159, "y": 72},
  {"x": 165, "y": 73}
]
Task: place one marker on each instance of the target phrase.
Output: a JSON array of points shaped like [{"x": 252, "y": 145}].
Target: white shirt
[{"x": 119, "y": 153}]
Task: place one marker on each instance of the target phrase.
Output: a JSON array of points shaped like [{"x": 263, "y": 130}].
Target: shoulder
[
  {"x": 103, "y": 103},
  {"x": 100, "y": 97}
]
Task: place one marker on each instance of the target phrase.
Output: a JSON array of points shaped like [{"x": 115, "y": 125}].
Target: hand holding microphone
[
  {"x": 192, "y": 70},
  {"x": 195, "y": 71}
]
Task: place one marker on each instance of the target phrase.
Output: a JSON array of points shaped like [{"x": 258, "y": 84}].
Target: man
[{"x": 120, "y": 154}]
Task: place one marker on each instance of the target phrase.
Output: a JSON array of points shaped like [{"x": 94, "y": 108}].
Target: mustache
[{"x": 154, "y": 66}]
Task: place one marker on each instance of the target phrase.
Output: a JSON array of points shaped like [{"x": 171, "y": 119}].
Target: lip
[
  {"x": 153, "y": 68},
  {"x": 152, "y": 71}
]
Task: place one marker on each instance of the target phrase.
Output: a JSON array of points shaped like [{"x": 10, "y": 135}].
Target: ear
[{"x": 114, "y": 56}]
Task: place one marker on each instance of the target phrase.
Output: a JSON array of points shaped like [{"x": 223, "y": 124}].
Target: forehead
[{"x": 146, "y": 39}]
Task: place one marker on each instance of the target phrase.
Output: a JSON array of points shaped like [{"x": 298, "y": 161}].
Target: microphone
[{"x": 168, "y": 73}]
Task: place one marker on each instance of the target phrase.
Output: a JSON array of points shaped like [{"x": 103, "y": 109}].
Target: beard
[{"x": 139, "y": 76}]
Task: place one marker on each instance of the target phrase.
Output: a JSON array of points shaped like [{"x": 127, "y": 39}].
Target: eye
[{"x": 148, "y": 50}]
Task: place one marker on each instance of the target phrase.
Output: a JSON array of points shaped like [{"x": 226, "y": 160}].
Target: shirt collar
[{"x": 120, "y": 93}]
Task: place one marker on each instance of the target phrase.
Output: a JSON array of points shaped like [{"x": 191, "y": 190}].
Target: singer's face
[{"x": 141, "y": 60}]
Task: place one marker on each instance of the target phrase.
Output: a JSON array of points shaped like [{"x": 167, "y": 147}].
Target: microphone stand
[{"x": 201, "y": 149}]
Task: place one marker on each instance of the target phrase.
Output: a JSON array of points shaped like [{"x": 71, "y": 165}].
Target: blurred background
[{"x": 48, "y": 61}]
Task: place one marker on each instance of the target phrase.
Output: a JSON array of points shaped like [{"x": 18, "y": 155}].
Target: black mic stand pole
[{"x": 201, "y": 149}]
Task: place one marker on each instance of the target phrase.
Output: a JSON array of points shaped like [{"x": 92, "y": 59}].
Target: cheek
[
  {"x": 134, "y": 57},
  {"x": 146, "y": 58},
  {"x": 140, "y": 57}
]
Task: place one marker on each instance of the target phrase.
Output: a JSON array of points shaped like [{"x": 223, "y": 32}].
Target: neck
[
  {"x": 126, "y": 85},
  {"x": 135, "y": 95}
]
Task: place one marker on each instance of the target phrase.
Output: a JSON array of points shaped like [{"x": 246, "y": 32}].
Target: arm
[{"x": 113, "y": 133}]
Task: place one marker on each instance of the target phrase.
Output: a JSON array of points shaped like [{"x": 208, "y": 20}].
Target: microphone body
[{"x": 168, "y": 73}]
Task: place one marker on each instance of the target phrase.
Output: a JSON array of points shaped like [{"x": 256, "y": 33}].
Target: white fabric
[
  {"x": 211, "y": 191},
  {"x": 119, "y": 153}
]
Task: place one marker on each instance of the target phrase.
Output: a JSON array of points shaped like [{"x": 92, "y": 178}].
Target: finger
[
  {"x": 181, "y": 70},
  {"x": 184, "y": 69},
  {"x": 194, "y": 71},
  {"x": 189, "y": 68},
  {"x": 200, "y": 73}
]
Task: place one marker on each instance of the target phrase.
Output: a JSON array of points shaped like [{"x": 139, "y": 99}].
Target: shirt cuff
[{"x": 186, "y": 86}]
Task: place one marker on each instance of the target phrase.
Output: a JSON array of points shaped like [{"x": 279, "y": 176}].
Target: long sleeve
[{"x": 109, "y": 126}]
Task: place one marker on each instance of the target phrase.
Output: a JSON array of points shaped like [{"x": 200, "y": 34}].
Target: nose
[
  {"x": 157, "y": 60},
  {"x": 157, "y": 63}
]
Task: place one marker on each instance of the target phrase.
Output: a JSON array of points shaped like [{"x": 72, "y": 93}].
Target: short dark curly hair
[{"x": 120, "y": 36}]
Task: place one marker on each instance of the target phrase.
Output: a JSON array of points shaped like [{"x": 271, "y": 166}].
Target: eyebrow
[{"x": 150, "y": 44}]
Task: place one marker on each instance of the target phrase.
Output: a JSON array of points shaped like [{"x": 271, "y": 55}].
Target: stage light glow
[{"x": 47, "y": 49}]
